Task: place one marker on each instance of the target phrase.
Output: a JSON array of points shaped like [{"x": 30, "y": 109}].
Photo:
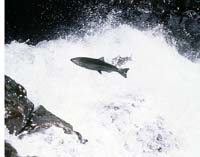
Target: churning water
[{"x": 153, "y": 112}]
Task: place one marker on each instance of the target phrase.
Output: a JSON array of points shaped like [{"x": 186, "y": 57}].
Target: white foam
[{"x": 119, "y": 117}]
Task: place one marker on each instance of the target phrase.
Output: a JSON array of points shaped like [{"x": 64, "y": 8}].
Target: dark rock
[
  {"x": 186, "y": 29},
  {"x": 43, "y": 119},
  {"x": 10, "y": 151},
  {"x": 18, "y": 108},
  {"x": 20, "y": 118},
  {"x": 81, "y": 139}
]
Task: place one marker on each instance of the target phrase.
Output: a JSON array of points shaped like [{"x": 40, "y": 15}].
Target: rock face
[
  {"x": 18, "y": 108},
  {"x": 43, "y": 119},
  {"x": 10, "y": 151},
  {"x": 21, "y": 119}
]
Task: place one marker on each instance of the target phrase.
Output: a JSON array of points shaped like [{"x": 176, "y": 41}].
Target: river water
[{"x": 153, "y": 112}]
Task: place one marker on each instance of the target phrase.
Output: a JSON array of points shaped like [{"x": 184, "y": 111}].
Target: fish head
[{"x": 76, "y": 60}]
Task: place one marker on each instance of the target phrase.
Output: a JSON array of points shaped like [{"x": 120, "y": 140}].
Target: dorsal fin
[{"x": 102, "y": 59}]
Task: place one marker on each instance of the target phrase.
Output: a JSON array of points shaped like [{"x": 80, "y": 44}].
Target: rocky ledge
[
  {"x": 10, "y": 151},
  {"x": 21, "y": 118}
]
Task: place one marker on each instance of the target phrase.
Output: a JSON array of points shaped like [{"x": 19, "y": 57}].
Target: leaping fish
[{"x": 98, "y": 65}]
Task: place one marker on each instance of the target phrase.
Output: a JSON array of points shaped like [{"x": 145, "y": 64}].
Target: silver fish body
[{"x": 98, "y": 65}]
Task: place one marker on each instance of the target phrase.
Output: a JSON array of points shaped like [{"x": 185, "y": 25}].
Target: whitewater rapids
[{"x": 155, "y": 111}]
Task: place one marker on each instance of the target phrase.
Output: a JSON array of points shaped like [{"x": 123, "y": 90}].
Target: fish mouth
[{"x": 74, "y": 60}]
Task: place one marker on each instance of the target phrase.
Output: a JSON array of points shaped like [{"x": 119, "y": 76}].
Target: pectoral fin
[
  {"x": 99, "y": 71},
  {"x": 102, "y": 59}
]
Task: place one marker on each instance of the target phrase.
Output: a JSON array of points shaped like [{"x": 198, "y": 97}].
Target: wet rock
[
  {"x": 42, "y": 119},
  {"x": 186, "y": 30},
  {"x": 18, "y": 108},
  {"x": 10, "y": 151},
  {"x": 20, "y": 119}
]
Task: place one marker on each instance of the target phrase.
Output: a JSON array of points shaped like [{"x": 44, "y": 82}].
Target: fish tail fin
[{"x": 123, "y": 72}]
